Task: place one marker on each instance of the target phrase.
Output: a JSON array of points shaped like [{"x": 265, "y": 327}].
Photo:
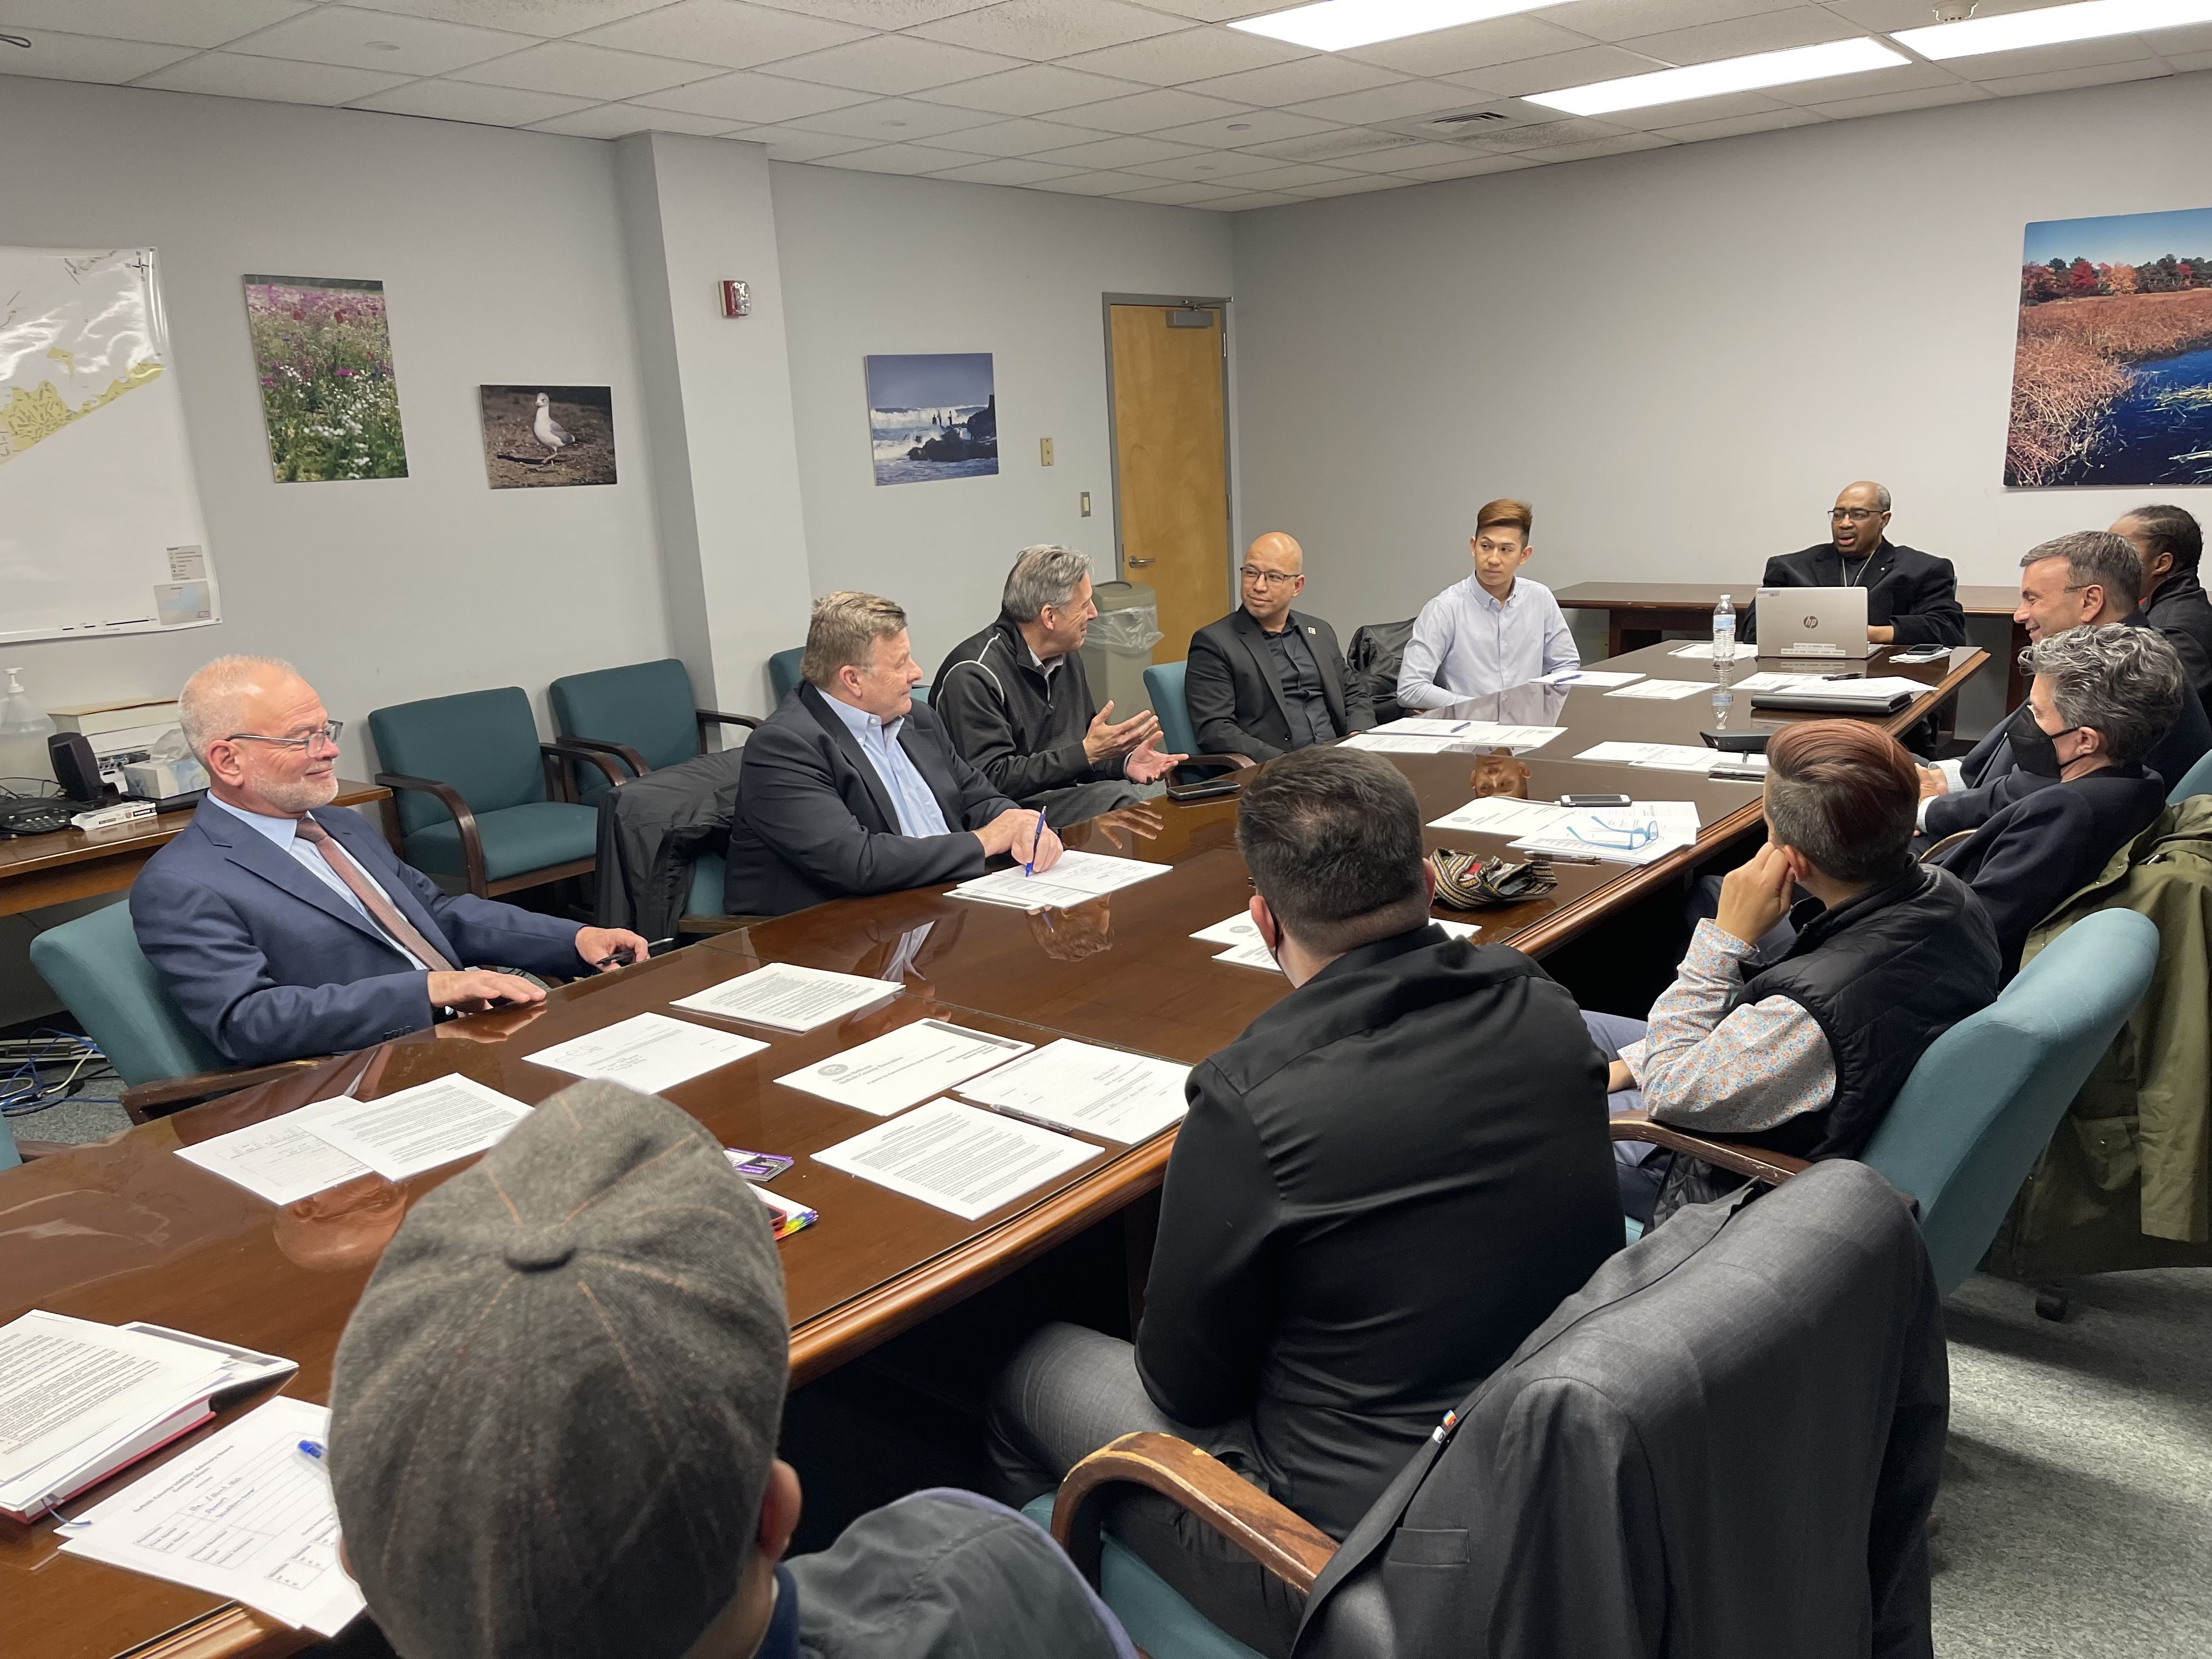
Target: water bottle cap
[{"x": 1725, "y": 599}]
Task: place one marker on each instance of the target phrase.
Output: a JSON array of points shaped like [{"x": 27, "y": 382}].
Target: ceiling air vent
[
  {"x": 1471, "y": 115},
  {"x": 1333, "y": 146}
]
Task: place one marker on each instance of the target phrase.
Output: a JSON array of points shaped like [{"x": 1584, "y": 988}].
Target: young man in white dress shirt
[{"x": 1493, "y": 629}]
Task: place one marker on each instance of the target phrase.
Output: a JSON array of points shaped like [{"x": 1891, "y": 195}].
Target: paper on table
[
  {"x": 419, "y": 1128},
  {"x": 1599, "y": 677},
  {"x": 1394, "y": 743},
  {"x": 1772, "y": 680},
  {"x": 650, "y": 1052},
  {"x": 279, "y": 1160},
  {"x": 245, "y": 1514},
  {"x": 785, "y": 997},
  {"x": 1599, "y": 834},
  {"x": 1671, "y": 756},
  {"x": 1078, "y": 1085},
  {"x": 957, "y": 1158},
  {"x": 1703, "y": 651},
  {"x": 1663, "y": 690},
  {"x": 1253, "y": 954},
  {"x": 904, "y": 1068},
  {"x": 1427, "y": 734},
  {"x": 1075, "y": 879},
  {"x": 1500, "y": 815},
  {"x": 1819, "y": 685}
]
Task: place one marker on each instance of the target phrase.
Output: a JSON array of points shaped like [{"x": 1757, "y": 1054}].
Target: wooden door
[{"x": 1171, "y": 463}]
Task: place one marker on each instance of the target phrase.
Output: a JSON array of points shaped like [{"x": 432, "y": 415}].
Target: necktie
[{"x": 382, "y": 909}]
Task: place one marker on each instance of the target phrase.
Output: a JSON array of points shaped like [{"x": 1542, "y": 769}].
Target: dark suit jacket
[
  {"x": 270, "y": 964},
  {"x": 1391, "y": 1178},
  {"x": 1234, "y": 694},
  {"x": 814, "y": 821},
  {"x": 2023, "y": 859},
  {"x": 1914, "y": 592},
  {"x": 2180, "y": 612}
]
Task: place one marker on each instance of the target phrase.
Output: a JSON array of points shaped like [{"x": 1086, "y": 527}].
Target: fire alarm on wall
[{"x": 737, "y": 299}]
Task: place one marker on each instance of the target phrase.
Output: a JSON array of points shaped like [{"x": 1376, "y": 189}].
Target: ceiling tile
[
  {"x": 1568, "y": 69},
  {"x": 1168, "y": 60},
  {"x": 1007, "y": 170},
  {"x": 1045, "y": 29},
  {"x": 452, "y": 100},
  {"x": 744, "y": 97},
  {"x": 1295, "y": 82},
  {"x": 789, "y": 144},
  {"x": 1093, "y": 184},
  {"x": 1033, "y": 89},
  {"x": 541, "y": 17},
  {"x": 81, "y": 57},
  {"x": 1213, "y": 11},
  {"x": 2050, "y": 60},
  {"x": 1888, "y": 16},
  {"x": 1389, "y": 103},
  {"x": 1212, "y": 166},
  {"x": 1772, "y": 31},
  {"x": 1509, "y": 136},
  {"x": 1257, "y": 126},
  {"x": 1024, "y": 137},
  {"x": 2100, "y": 75},
  {"x": 1175, "y": 195},
  {"x": 1331, "y": 148},
  {"x": 1289, "y": 177},
  {"x": 909, "y": 159},
  {"x": 1618, "y": 145},
  {"x": 378, "y": 41},
  {"x": 1735, "y": 126},
  {"x": 890, "y": 120},
  {"x": 2187, "y": 42},
  {"x": 1958, "y": 92},
  {"x": 234, "y": 75},
  {"x": 892, "y": 64},
  {"x": 1148, "y": 111},
  {"x": 1405, "y": 157},
  {"x": 1243, "y": 199},
  {"x": 1624, "y": 20},
  {"x": 620, "y": 121},
  {"x": 2187, "y": 63},
  {"x": 163, "y": 22},
  {"x": 725, "y": 32},
  {"x": 878, "y": 14},
  {"x": 1472, "y": 46},
  {"x": 584, "y": 71},
  {"x": 1905, "y": 77},
  {"x": 1116, "y": 153},
  {"x": 1354, "y": 186},
  {"x": 1473, "y": 167}
]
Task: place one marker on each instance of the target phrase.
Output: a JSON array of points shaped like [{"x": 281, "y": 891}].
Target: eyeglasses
[
  {"x": 1267, "y": 578},
  {"x": 1855, "y": 514},
  {"x": 1617, "y": 838},
  {"x": 327, "y": 733}
]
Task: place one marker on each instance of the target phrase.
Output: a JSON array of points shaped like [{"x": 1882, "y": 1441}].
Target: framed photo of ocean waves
[
  {"x": 933, "y": 415},
  {"x": 2111, "y": 378}
]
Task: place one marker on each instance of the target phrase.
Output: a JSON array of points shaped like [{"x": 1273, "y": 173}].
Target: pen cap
[{"x": 554, "y": 1410}]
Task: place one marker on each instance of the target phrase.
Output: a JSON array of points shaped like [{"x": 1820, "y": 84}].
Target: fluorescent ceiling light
[
  {"x": 1765, "y": 69},
  {"x": 1334, "y": 25},
  {"x": 2091, "y": 22}
]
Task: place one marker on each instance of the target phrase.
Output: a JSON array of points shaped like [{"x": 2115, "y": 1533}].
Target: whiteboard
[{"x": 101, "y": 530}]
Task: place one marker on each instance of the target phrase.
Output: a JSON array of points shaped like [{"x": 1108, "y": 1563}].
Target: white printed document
[
  {"x": 1853, "y": 689},
  {"x": 1253, "y": 954},
  {"x": 1592, "y": 677},
  {"x": 1663, "y": 690},
  {"x": 1703, "y": 651},
  {"x": 1673, "y": 757},
  {"x": 245, "y": 1515},
  {"x": 1502, "y": 815},
  {"x": 785, "y": 997},
  {"x": 280, "y": 1160},
  {"x": 1428, "y": 734},
  {"x": 650, "y": 1052},
  {"x": 904, "y": 1068},
  {"x": 1640, "y": 834},
  {"x": 957, "y": 1158},
  {"x": 418, "y": 1129},
  {"x": 1772, "y": 680},
  {"x": 1078, "y": 1085},
  {"x": 1077, "y": 878}
]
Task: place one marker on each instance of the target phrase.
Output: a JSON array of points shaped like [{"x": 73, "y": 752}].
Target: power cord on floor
[{"x": 29, "y": 1066}]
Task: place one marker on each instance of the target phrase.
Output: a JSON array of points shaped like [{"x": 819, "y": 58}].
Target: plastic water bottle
[
  {"x": 1724, "y": 631},
  {"x": 24, "y": 729}
]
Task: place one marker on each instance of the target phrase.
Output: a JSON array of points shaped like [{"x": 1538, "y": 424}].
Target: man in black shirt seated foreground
[{"x": 1387, "y": 1182}]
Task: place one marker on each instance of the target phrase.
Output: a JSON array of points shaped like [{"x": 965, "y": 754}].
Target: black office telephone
[{"x": 38, "y": 817}]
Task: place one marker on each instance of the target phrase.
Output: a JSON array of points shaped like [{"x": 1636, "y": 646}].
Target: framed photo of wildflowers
[{"x": 323, "y": 352}]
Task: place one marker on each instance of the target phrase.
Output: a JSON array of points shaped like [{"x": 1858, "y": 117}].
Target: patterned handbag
[{"x": 1468, "y": 881}]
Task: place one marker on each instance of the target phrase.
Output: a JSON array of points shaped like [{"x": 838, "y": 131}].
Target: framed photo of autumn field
[{"x": 2112, "y": 381}]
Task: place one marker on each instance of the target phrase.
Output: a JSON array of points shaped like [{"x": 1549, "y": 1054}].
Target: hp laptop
[{"x": 1812, "y": 622}]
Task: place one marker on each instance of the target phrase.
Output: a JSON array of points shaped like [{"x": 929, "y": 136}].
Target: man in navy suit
[
  {"x": 283, "y": 925},
  {"x": 851, "y": 786}
]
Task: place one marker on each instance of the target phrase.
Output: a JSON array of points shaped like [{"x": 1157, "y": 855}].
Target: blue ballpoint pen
[
  {"x": 1030, "y": 869},
  {"x": 316, "y": 1450}
]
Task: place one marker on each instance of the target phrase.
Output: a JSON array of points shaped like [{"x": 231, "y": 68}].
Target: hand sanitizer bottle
[{"x": 24, "y": 729}]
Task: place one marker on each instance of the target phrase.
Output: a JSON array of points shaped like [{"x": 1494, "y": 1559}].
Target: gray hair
[
  {"x": 2123, "y": 682},
  {"x": 2096, "y": 556},
  {"x": 207, "y": 708},
  {"x": 1045, "y": 575},
  {"x": 1333, "y": 839},
  {"x": 842, "y": 634}
]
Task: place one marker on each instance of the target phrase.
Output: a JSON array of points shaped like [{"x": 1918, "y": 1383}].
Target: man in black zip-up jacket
[{"x": 1015, "y": 701}]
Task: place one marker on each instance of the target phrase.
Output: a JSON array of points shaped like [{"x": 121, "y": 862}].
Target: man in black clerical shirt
[
  {"x": 1381, "y": 1187},
  {"x": 2170, "y": 543},
  {"x": 1913, "y": 598},
  {"x": 1266, "y": 679}
]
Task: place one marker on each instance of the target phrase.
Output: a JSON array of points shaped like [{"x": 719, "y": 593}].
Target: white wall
[
  {"x": 1679, "y": 355},
  {"x": 876, "y": 265}
]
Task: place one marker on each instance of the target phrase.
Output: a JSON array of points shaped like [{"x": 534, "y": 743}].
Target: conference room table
[{"x": 125, "y": 1229}]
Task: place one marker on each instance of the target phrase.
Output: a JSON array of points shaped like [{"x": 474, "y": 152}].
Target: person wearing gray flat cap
[{"x": 553, "y": 1416}]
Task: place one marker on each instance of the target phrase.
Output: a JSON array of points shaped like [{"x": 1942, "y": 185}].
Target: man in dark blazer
[
  {"x": 1913, "y": 598},
  {"x": 2170, "y": 544},
  {"x": 2099, "y": 696},
  {"x": 1266, "y": 679},
  {"x": 1393, "y": 1177},
  {"x": 851, "y": 786},
  {"x": 283, "y": 925}
]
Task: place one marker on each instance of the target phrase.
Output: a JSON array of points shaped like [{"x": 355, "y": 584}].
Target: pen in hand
[{"x": 1037, "y": 835}]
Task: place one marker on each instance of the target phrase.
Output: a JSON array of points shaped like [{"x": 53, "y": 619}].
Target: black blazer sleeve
[
  {"x": 1931, "y": 614},
  {"x": 2024, "y": 860},
  {"x": 1209, "y": 690},
  {"x": 1970, "y": 809}
]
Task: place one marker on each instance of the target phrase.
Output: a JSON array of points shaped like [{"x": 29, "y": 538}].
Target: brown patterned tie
[{"x": 382, "y": 909}]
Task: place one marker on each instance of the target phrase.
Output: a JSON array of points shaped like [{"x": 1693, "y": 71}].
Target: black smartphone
[
  {"x": 1597, "y": 800},
  {"x": 1203, "y": 780}
]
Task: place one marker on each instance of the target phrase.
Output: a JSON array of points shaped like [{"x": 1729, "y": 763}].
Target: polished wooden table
[
  {"x": 125, "y": 1229},
  {"x": 36, "y": 871}
]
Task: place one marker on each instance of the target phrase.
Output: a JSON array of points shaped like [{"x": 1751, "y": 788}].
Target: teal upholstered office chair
[
  {"x": 2196, "y": 781},
  {"x": 95, "y": 966},
  {"x": 643, "y": 714},
  {"x": 477, "y": 794},
  {"x": 1164, "y": 683},
  {"x": 783, "y": 671}
]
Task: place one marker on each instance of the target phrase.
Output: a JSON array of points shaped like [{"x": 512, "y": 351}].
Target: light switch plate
[{"x": 1044, "y": 452}]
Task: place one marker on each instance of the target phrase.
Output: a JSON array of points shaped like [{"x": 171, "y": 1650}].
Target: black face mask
[{"x": 2035, "y": 750}]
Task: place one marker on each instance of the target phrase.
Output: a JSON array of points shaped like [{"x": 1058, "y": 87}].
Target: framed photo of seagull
[
  {"x": 932, "y": 417},
  {"x": 540, "y": 437}
]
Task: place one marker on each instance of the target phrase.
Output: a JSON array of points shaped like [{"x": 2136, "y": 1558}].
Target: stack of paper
[
  {"x": 1247, "y": 950},
  {"x": 1853, "y": 689},
  {"x": 1076, "y": 878},
  {"x": 904, "y": 1068},
  {"x": 1673, "y": 757},
  {"x": 788, "y": 998},
  {"x": 79, "y": 1399},
  {"x": 1429, "y": 735},
  {"x": 1663, "y": 690},
  {"x": 957, "y": 1158},
  {"x": 245, "y": 1516},
  {"x": 1617, "y": 835},
  {"x": 650, "y": 1052},
  {"x": 1501, "y": 815},
  {"x": 1593, "y": 677},
  {"x": 1108, "y": 1093}
]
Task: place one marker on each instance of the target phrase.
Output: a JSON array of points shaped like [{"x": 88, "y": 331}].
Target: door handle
[{"x": 1138, "y": 564}]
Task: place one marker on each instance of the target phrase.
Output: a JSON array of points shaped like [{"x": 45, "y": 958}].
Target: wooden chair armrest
[
  {"x": 1236, "y": 762},
  {"x": 169, "y": 1094},
  {"x": 1756, "y": 1161},
  {"x": 30, "y": 1150},
  {"x": 1289, "y": 1547},
  {"x": 561, "y": 760},
  {"x": 621, "y": 751},
  {"x": 1946, "y": 844},
  {"x": 708, "y": 717},
  {"x": 472, "y": 859}
]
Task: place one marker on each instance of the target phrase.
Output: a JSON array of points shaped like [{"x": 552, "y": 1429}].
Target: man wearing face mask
[
  {"x": 2099, "y": 696},
  {"x": 2088, "y": 579}
]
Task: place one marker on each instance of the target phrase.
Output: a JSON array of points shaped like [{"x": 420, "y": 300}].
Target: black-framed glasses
[
  {"x": 1266, "y": 578},
  {"x": 1855, "y": 514},
  {"x": 326, "y": 732}
]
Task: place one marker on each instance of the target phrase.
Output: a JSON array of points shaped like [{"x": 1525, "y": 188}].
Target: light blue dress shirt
[
  {"x": 1466, "y": 644},
  {"x": 284, "y": 834},
  {"x": 919, "y": 814}
]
